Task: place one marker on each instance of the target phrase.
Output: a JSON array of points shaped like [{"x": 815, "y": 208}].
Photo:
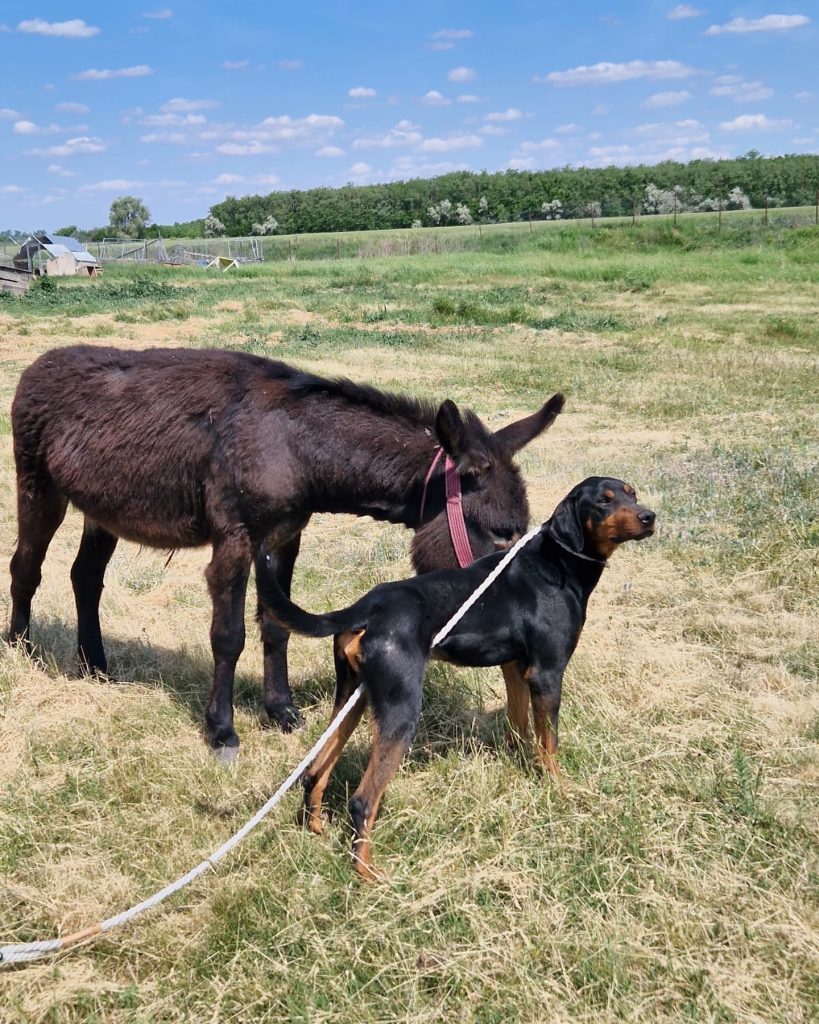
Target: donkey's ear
[
  {"x": 566, "y": 526},
  {"x": 459, "y": 442},
  {"x": 516, "y": 435}
]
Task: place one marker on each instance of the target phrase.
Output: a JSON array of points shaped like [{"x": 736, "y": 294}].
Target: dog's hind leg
[
  {"x": 396, "y": 705},
  {"x": 318, "y": 774},
  {"x": 40, "y": 510},
  {"x": 87, "y": 572}
]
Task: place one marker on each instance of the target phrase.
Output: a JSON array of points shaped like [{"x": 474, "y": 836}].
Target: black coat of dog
[{"x": 528, "y": 621}]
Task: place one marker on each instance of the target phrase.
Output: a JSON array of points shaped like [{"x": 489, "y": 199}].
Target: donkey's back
[{"x": 141, "y": 442}]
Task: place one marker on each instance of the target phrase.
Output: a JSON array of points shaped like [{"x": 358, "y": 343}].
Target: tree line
[{"x": 466, "y": 197}]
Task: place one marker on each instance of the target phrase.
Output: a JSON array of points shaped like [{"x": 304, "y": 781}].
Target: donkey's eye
[{"x": 501, "y": 533}]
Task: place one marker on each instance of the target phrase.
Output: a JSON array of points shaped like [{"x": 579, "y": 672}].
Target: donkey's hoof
[
  {"x": 286, "y": 716},
  {"x": 226, "y": 755}
]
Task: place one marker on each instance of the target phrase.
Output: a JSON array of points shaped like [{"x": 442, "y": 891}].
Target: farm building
[{"x": 55, "y": 255}]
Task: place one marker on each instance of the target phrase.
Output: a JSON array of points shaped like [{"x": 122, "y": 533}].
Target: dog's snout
[{"x": 646, "y": 517}]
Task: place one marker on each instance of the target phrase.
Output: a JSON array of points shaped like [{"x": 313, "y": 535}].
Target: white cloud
[
  {"x": 329, "y": 151},
  {"x": 360, "y": 168},
  {"x": 111, "y": 185},
  {"x": 73, "y": 108},
  {"x": 26, "y": 128},
  {"x": 244, "y": 149},
  {"x": 266, "y": 179},
  {"x": 227, "y": 179},
  {"x": 736, "y": 88},
  {"x": 95, "y": 75},
  {"x": 361, "y": 92},
  {"x": 405, "y": 133},
  {"x": 751, "y": 122},
  {"x": 74, "y": 29},
  {"x": 7, "y": 114},
  {"x": 179, "y": 105},
  {"x": 804, "y": 94},
  {"x": 289, "y": 65},
  {"x": 83, "y": 144},
  {"x": 172, "y": 138},
  {"x": 770, "y": 23},
  {"x": 453, "y": 33},
  {"x": 440, "y": 45},
  {"x": 568, "y": 129},
  {"x": 468, "y": 98},
  {"x": 451, "y": 142},
  {"x": 684, "y": 11},
  {"x": 510, "y": 114},
  {"x": 286, "y": 128},
  {"x": 235, "y": 65},
  {"x": 674, "y": 133},
  {"x": 539, "y": 147},
  {"x": 433, "y": 98},
  {"x": 60, "y": 172},
  {"x": 173, "y": 120},
  {"x": 518, "y": 163},
  {"x": 606, "y": 72},
  {"x": 462, "y": 74},
  {"x": 493, "y": 129},
  {"x": 11, "y": 189},
  {"x": 410, "y": 167},
  {"x": 601, "y": 108},
  {"x": 665, "y": 99},
  {"x": 160, "y": 15}
]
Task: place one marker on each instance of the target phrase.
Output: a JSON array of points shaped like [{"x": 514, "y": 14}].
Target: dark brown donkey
[{"x": 177, "y": 448}]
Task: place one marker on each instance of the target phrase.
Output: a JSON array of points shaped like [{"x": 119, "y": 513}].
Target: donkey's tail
[{"x": 297, "y": 620}]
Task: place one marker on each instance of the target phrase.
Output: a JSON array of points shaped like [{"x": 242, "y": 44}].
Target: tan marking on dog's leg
[
  {"x": 545, "y": 711},
  {"x": 517, "y": 703},
  {"x": 384, "y": 762},
  {"x": 326, "y": 760}
]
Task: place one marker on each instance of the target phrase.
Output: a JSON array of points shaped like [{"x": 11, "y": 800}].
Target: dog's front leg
[
  {"x": 545, "y": 688},
  {"x": 517, "y": 703}
]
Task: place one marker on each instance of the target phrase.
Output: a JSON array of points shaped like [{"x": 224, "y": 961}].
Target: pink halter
[{"x": 454, "y": 508}]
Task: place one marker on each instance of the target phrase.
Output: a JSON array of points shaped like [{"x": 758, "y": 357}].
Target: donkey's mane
[{"x": 415, "y": 410}]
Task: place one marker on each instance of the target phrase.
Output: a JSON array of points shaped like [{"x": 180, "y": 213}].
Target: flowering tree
[{"x": 267, "y": 226}]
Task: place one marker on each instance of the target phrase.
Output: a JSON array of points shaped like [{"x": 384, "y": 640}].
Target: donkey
[{"x": 179, "y": 448}]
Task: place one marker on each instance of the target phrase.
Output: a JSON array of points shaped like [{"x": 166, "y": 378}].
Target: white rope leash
[
  {"x": 442, "y": 634},
  {"x": 25, "y": 951}
]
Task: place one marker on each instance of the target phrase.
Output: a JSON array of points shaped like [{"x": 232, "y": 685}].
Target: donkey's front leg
[
  {"x": 227, "y": 581},
  {"x": 278, "y": 697}
]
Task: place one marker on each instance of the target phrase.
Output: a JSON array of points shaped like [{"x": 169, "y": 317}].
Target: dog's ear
[
  {"x": 565, "y": 524},
  {"x": 514, "y": 436},
  {"x": 462, "y": 444}
]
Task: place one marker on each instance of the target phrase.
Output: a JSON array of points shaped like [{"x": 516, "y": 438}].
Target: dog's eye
[{"x": 605, "y": 500}]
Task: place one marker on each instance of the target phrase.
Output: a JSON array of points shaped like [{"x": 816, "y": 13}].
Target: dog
[{"x": 528, "y": 622}]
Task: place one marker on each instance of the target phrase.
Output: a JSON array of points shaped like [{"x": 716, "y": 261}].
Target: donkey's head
[{"x": 494, "y": 496}]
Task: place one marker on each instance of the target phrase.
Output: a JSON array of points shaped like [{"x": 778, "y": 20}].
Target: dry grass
[{"x": 673, "y": 876}]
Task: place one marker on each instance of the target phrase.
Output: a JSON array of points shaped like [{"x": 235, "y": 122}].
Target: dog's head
[{"x": 598, "y": 515}]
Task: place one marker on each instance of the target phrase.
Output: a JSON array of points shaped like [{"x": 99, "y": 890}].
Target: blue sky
[{"x": 186, "y": 103}]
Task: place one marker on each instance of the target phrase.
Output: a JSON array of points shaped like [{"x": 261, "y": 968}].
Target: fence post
[
  {"x": 530, "y": 222},
  {"x": 338, "y": 249},
  {"x": 289, "y": 249},
  {"x": 766, "y": 211},
  {"x": 633, "y": 212},
  {"x": 480, "y": 232},
  {"x": 675, "y": 207}
]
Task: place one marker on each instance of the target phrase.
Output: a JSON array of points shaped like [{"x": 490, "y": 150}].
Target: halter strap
[{"x": 454, "y": 508}]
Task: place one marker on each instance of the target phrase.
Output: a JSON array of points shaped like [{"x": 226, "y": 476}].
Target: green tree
[{"x": 129, "y": 216}]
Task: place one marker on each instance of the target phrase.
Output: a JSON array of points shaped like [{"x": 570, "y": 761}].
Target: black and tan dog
[{"x": 528, "y": 621}]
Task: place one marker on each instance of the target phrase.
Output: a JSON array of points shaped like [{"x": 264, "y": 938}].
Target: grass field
[{"x": 672, "y": 877}]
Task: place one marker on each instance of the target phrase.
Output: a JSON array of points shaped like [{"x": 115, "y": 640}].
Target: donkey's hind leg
[
  {"x": 40, "y": 510},
  {"x": 87, "y": 572}
]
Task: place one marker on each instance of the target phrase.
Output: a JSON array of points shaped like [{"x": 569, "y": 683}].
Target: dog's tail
[{"x": 297, "y": 620}]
